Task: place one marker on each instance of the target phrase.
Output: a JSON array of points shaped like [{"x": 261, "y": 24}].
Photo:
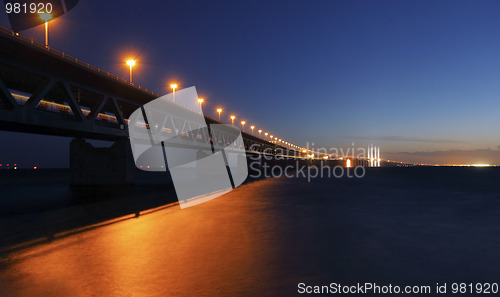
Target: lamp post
[
  {"x": 243, "y": 125},
  {"x": 46, "y": 17},
  {"x": 201, "y": 100},
  {"x": 260, "y": 133},
  {"x": 252, "y": 127},
  {"x": 131, "y": 63},
  {"x": 173, "y": 86},
  {"x": 265, "y": 134},
  {"x": 232, "y": 119},
  {"x": 219, "y": 110}
]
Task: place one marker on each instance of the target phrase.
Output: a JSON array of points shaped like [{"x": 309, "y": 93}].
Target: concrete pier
[{"x": 101, "y": 166}]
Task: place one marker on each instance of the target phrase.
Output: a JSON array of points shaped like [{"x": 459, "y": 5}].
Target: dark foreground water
[{"x": 399, "y": 226}]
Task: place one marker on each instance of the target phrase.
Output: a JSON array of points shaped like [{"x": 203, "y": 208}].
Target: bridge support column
[{"x": 101, "y": 166}]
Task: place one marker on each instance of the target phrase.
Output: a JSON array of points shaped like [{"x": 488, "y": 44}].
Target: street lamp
[
  {"x": 219, "y": 110},
  {"x": 232, "y": 119},
  {"x": 252, "y": 127},
  {"x": 131, "y": 63},
  {"x": 200, "y": 100},
  {"x": 265, "y": 134},
  {"x": 260, "y": 133},
  {"x": 173, "y": 86},
  {"x": 243, "y": 125},
  {"x": 46, "y": 17}
]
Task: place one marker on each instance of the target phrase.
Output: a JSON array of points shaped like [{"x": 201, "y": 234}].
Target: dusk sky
[{"x": 420, "y": 79}]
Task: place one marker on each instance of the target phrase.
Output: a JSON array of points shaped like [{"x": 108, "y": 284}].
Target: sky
[{"x": 420, "y": 79}]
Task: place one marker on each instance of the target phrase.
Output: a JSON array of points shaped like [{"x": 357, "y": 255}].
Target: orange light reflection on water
[{"x": 216, "y": 248}]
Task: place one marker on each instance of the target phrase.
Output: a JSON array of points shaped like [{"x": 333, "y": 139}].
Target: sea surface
[{"x": 398, "y": 226}]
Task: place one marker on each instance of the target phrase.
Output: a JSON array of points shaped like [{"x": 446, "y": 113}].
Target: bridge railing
[{"x": 65, "y": 56}]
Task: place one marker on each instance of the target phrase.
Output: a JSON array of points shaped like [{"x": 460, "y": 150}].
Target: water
[{"x": 404, "y": 226}]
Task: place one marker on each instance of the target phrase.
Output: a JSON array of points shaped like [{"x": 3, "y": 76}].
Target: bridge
[{"x": 46, "y": 91}]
